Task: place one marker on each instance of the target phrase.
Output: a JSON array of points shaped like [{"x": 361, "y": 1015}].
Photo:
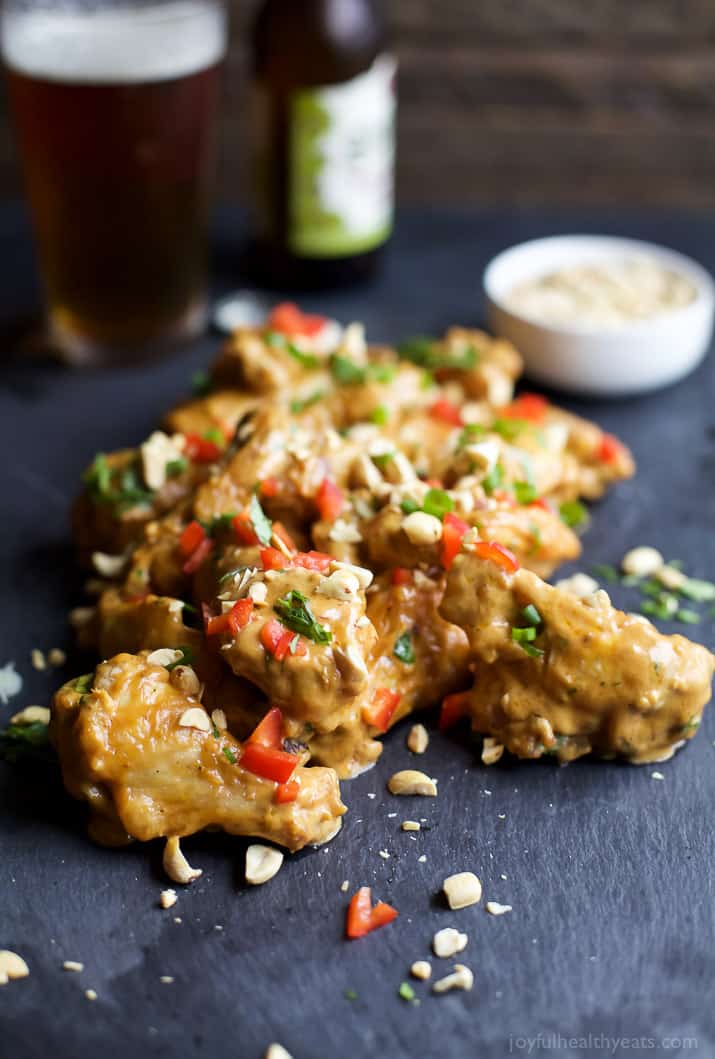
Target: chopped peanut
[
  {"x": 461, "y": 978},
  {"x": 176, "y": 865},
  {"x": 417, "y": 739},
  {"x": 462, "y": 890},
  {"x": 409, "y": 781},
  {"x": 262, "y": 863},
  {"x": 421, "y": 969},
  {"x": 448, "y": 942}
]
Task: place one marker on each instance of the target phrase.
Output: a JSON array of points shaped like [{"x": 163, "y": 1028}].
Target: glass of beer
[{"x": 115, "y": 105}]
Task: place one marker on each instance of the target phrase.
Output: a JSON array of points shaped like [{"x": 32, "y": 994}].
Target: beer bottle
[{"x": 323, "y": 140}]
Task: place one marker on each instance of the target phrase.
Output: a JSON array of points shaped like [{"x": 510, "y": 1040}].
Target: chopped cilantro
[
  {"x": 229, "y": 754},
  {"x": 295, "y": 612},
  {"x": 403, "y": 649},
  {"x": 219, "y": 522},
  {"x": 493, "y": 480},
  {"x": 201, "y": 384},
  {"x": 262, "y": 525},
  {"x": 120, "y": 487},
  {"x": 306, "y": 402},
  {"x": 24, "y": 741},
  {"x": 573, "y": 513},
  {"x": 437, "y": 502},
  {"x": 380, "y": 415}
]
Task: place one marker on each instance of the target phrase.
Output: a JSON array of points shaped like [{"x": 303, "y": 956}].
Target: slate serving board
[{"x": 608, "y": 870}]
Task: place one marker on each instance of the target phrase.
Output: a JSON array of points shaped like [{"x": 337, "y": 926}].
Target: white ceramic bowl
[{"x": 618, "y": 360}]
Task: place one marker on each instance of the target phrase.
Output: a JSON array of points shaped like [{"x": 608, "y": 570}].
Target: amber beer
[{"x": 115, "y": 109}]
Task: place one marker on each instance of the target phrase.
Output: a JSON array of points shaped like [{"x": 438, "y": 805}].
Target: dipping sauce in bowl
[
  {"x": 603, "y": 294},
  {"x": 601, "y": 315}
]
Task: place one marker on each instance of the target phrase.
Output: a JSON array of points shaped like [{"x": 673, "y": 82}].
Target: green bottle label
[{"x": 342, "y": 155}]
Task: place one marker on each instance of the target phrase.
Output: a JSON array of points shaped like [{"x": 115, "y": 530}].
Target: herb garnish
[
  {"x": 380, "y": 415},
  {"x": 176, "y": 467},
  {"x": 261, "y": 524},
  {"x": 525, "y": 635},
  {"x": 83, "y": 684},
  {"x": 438, "y": 503},
  {"x": 494, "y": 479},
  {"x": 24, "y": 741},
  {"x": 276, "y": 340},
  {"x": 229, "y": 754},
  {"x": 295, "y": 612},
  {"x": 525, "y": 492},
  {"x": 403, "y": 649},
  {"x": 406, "y": 992},
  {"x": 201, "y": 383},
  {"x": 425, "y": 353},
  {"x": 187, "y": 658},
  {"x": 297, "y": 406},
  {"x": 572, "y": 513},
  {"x": 107, "y": 485}
]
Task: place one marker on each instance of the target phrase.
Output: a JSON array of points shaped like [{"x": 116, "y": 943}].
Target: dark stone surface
[{"x": 609, "y": 871}]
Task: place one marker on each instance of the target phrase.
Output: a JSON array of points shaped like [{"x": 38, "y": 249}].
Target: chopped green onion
[
  {"x": 83, "y": 684},
  {"x": 381, "y": 459},
  {"x": 295, "y": 612},
  {"x": 494, "y": 479},
  {"x": 187, "y": 657},
  {"x": 403, "y": 649},
  {"x": 522, "y": 636},
  {"x": 509, "y": 428},
  {"x": 573, "y": 513},
  {"x": 533, "y": 652},
  {"x": 274, "y": 339},
  {"x": 306, "y": 360},
  {"x": 24, "y": 741},
  {"x": 531, "y": 615},
  {"x": 525, "y": 492},
  {"x": 313, "y": 398},
  {"x": 215, "y": 435},
  {"x": 688, "y": 617},
  {"x": 697, "y": 590},
  {"x": 229, "y": 754},
  {"x": 470, "y": 432},
  {"x": 380, "y": 415},
  {"x": 606, "y": 572},
  {"x": 425, "y": 353},
  {"x": 408, "y": 506},
  {"x": 406, "y": 991},
  {"x": 201, "y": 383},
  {"x": 346, "y": 372},
  {"x": 176, "y": 467},
  {"x": 438, "y": 503},
  {"x": 350, "y": 994}
]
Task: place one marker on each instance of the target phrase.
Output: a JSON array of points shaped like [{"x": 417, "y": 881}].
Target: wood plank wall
[{"x": 554, "y": 101}]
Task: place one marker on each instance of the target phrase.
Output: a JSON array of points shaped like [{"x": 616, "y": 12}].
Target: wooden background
[{"x": 556, "y": 101}]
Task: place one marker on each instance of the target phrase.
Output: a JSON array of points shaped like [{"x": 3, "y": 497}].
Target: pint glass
[{"x": 114, "y": 105}]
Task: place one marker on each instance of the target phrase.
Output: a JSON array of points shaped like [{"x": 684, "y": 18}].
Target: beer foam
[{"x": 116, "y": 45}]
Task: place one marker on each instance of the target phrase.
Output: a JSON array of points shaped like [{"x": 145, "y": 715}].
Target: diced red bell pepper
[
  {"x": 201, "y": 450},
  {"x": 290, "y": 320},
  {"x": 504, "y": 497},
  {"x": 198, "y": 556},
  {"x": 286, "y": 792},
  {"x": 191, "y": 538},
  {"x": 497, "y": 553},
  {"x": 362, "y": 918},
  {"x": 379, "y": 712},
  {"x": 610, "y": 449},
  {"x": 401, "y": 576},
  {"x": 447, "y": 412},
  {"x": 453, "y": 709},
  {"x": 272, "y": 559},
  {"x": 317, "y": 561},
  {"x": 269, "y": 762},
  {"x": 434, "y": 483},
  {"x": 453, "y": 530},
  {"x": 214, "y": 625},
  {"x": 243, "y": 528},
  {"x": 529, "y": 406},
  {"x": 277, "y": 640},
  {"x": 269, "y": 730},
  {"x": 270, "y": 487},
  {"x": 240, "y": 615},
  {"x": 282, "y": 534},
  {"x": 329, "y": 500},
  {"x": 542, "y": 503}
]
